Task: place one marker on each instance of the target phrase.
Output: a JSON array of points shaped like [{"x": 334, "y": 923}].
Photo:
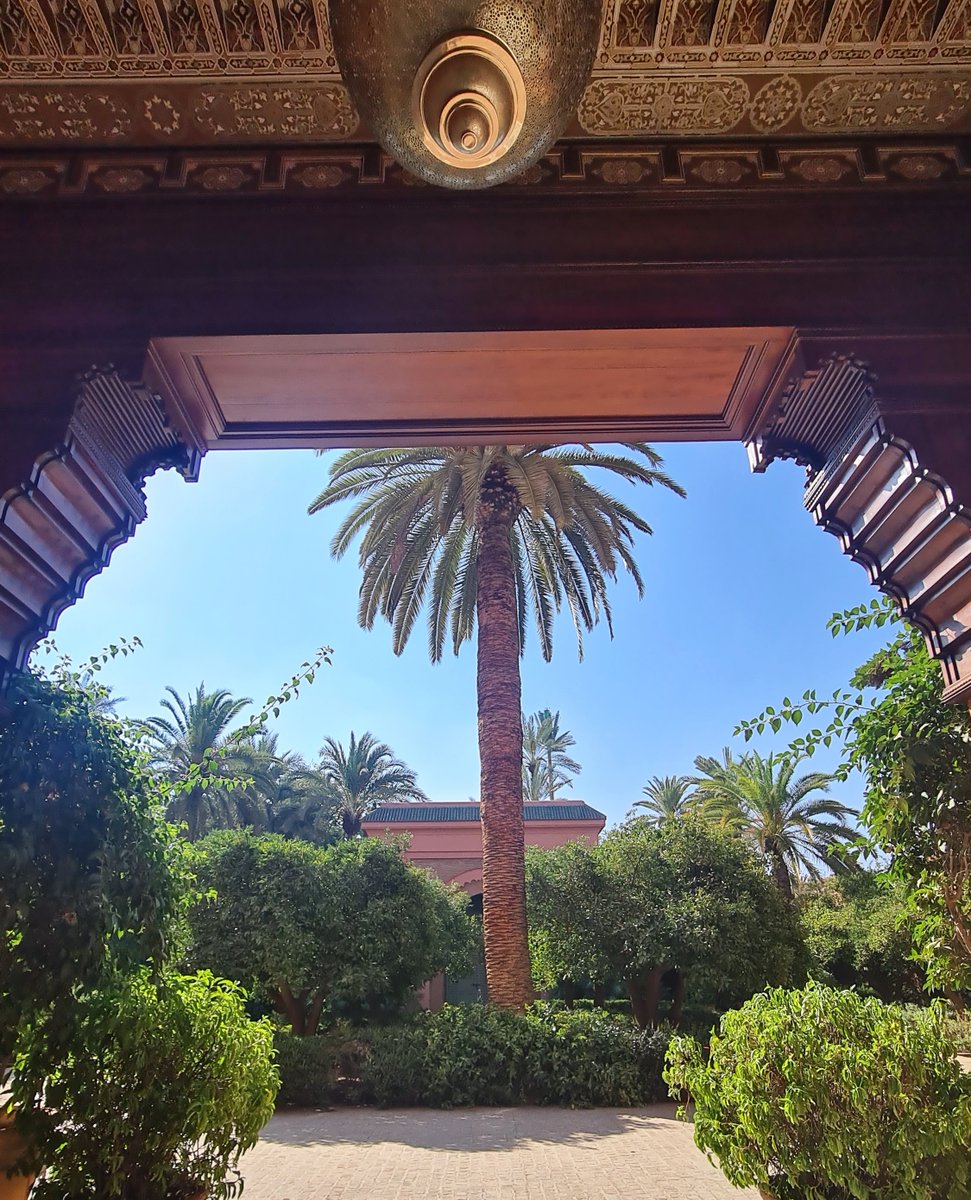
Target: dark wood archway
[{"x": 822, "y": 316}]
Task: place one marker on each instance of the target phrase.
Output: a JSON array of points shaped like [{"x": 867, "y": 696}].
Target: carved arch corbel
[
  {"x": 867, "y": 485},
  {"x": 83, "y": 498}
]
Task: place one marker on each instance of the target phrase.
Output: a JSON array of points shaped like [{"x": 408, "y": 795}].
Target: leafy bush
[
  {"x": 479, "y": 1055},
  {"x": 89, "y": 873},
  {"x": 822, "y": 1094},
  {"x": 166, "y": 1085},
  {"x": 618, "y": 1008},
  {"x": 307, "y": 1067},
  {"x": 590, "y": 1059}
]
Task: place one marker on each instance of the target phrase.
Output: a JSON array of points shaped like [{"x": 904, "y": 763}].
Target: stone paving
[{"x": 482, "y": 1154}]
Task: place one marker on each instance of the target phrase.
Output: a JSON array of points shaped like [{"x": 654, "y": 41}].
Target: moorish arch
[
  {"x": 753, "y": 226},
  {"x": 889, "y": 478},
  {"x": 468, "y": 881}
]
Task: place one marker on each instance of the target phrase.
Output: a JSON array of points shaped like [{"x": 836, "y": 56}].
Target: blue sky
[{"x": 230, "y": 581}]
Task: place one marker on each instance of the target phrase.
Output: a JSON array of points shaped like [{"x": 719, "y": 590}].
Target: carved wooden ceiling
[{"x": 209, "y": 72}]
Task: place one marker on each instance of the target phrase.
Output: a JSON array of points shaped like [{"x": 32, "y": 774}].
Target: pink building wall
[{"x": 452, "y": 850}]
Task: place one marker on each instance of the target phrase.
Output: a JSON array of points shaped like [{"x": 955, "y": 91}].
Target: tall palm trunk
[{"x": 501, "y": 752}]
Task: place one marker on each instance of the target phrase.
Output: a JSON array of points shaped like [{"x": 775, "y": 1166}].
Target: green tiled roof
[{"x": 398, "y": 814}]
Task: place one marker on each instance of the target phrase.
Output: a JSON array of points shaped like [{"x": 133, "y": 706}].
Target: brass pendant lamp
[{"x": 465, "y": 94}]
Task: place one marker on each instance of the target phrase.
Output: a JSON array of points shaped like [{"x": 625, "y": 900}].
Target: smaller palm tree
[
  {"x": 762, "y": 800},
  {"x": 298, "y": 802},
  {"x": 365, "y": 775},
  {"x": 668, "y": 798},
  {"x": 546, "y": 764},
  {"x": 196, "y": 734}
]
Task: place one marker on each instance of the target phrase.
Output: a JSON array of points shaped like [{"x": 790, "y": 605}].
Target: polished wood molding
[{"x": 337, "y": 390}]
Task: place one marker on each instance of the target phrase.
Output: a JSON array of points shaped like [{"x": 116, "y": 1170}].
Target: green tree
[
  {"x": 363, "y": 776},
  {"x": 760, "y": 799},
  {"x": 570, "y": 905},
  {"x": 350, "y": 925},
  {"x": 859, "y": 934},
  {"x": 298, "y": 802},
  {"x": 546, "y": 764},
  {"x": 915, "y": 751},
  {"x": 683, "y": 899},
  {"x": 90, "y": 874},
  {"x": 668, "y": 798},
  {"x": 196, "y": 736},
  {"x": 485, "y": 534}
]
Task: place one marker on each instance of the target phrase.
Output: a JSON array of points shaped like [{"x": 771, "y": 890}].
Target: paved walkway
[{"x": 482, "y": 1154}]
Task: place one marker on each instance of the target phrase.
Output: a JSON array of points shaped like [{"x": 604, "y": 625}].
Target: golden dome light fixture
[{"x": 465, "y": 94}]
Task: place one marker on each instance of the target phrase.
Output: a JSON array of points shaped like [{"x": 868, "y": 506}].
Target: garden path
[{"x": 482, "y": 1154}]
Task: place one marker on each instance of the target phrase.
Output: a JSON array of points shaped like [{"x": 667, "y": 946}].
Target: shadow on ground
[{"x": 461, "y": 1129}]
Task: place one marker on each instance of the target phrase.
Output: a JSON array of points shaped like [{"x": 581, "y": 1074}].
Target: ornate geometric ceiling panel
[{"x": 204, "y": 72}]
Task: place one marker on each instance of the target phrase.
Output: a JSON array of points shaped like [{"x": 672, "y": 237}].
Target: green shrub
[
  {"x": 164, "y": 1085},
  {"x": 307, "y": 1067},
  {"x": 478, "y": 1055},
  {"x": 90, "y": 874},
  {"x": 959, "y": 1029},
  {"x": 618, "y": 1008},
  {"x": 821, "y": 1094},
  {"x": 585, "y": 1059},
  {"x": 459, "y": 1055}
]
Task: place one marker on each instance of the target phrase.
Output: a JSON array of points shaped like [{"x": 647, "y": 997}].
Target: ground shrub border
[{"x": 476, "y": 1055}]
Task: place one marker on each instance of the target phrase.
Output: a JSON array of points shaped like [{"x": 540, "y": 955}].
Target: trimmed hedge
[
  {"x": 307, "y": 1070},
  {"x": 484, "y": 1056}
]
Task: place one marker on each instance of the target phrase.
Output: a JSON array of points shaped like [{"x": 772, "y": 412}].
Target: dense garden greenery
[
  {"x": 97, "y": 1028},
  {"x": 859, "y": 933},
  {"x": 132, "y": 956},
  {"x": 915, "y": 753},
  {"x": 89, "y": 871}
]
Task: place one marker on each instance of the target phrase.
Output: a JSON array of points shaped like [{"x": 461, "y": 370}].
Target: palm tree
[
  {"x": 546, "y": 764},
  {"x": 297, "y": 801},
  {"x": 668, "y": 798},
  {"x": 485, "y": 534},
  {"x": 365, "y": 775},
  {"x": 760, "y": 799},
  {"x": 197, "y": 734}
]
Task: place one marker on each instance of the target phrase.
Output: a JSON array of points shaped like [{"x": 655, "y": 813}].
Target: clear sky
[{"x": 231, "y": 582}]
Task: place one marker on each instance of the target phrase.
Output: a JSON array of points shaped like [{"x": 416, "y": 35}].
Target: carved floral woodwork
[
  {"x": 585, "y": 166},
  {"x": 194, "y": 72}
]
